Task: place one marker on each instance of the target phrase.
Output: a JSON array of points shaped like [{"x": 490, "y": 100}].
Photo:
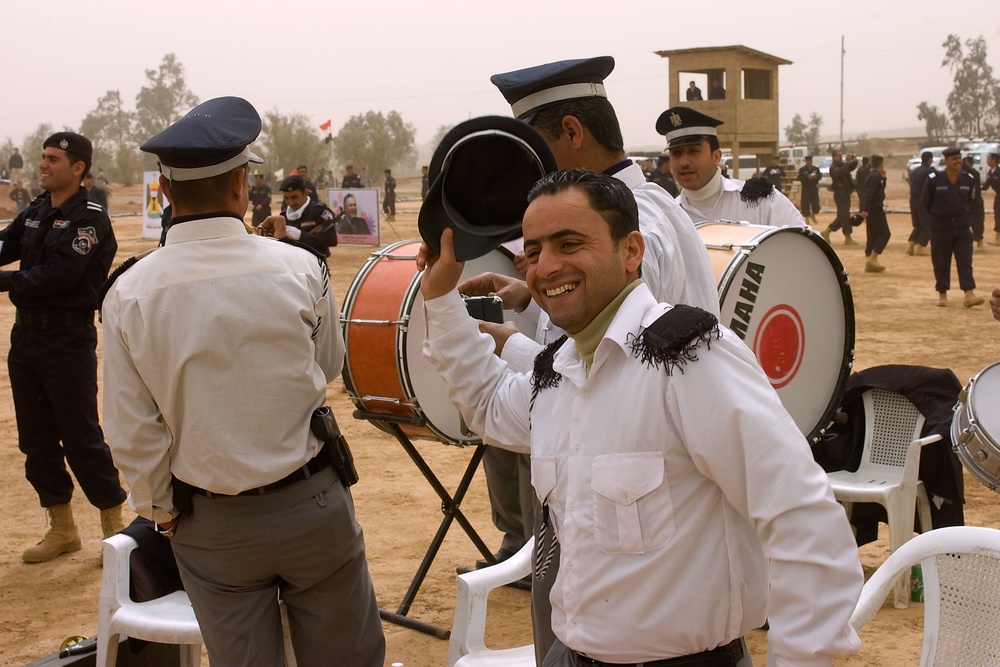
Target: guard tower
[{"x": 739, "y": 86}]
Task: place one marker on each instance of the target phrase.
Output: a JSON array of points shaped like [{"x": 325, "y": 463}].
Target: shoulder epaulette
[
  {"x": 122, "y": 268},
  {"x": 674, "y": 338},
  {"x": 754, "y": 190},
  {"x": 544, "y": 377}
]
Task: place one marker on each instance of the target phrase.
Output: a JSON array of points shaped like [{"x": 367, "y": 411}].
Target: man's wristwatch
[{"x": 167, "y": 532}]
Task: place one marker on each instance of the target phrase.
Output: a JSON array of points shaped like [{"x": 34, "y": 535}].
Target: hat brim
[{"x": 480, "y": 175}]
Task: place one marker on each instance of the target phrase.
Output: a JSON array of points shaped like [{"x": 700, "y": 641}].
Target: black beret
[
  {"x": 683, "y": 126},
  {"x": 531, "y": 89},
  {"x": 480, "y": 177},
  {"x": 952, "y": 150},
  {"x": 71, "y": 142},
  {"x": 209, "y": 140},
  {"x": 292, "y": 183}
]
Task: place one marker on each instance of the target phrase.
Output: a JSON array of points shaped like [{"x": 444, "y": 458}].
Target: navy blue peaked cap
[
  {"x": 683, "y": 126},
  {"x": 480, "y": 176},
  {"x": 209, "y": 140},
  {"x": 531, "y": 89}
]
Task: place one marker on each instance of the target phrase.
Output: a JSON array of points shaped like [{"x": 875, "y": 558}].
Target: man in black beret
[
  {"x": 948, "y": 196},
  {"x": 351, "y": 180},
  {"x": 389, "y": 201},
  {"x": 809, "y": 175},
  {"x": 304, "y": 219},
  {"x": 65, "y": 246},
  {"x": 260, "y": 199},
  {"x": 218, "y": 348}
]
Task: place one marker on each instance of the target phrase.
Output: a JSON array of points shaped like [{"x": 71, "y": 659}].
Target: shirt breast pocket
[{"x": 633, "y": 511}]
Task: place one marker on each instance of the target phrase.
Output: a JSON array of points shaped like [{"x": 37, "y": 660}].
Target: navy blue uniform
[
  {"x": 774, "y": 174},
  {"x": 874, "y": 205},
  {"x": 319, "y": 227},
  {"x": 840, "y": 180},
  {"x": 920, "y": 217},
  {"x": 993, "y": 182},
  {"x": 351, "y": 181},
  {"x": 260, "y": 201},
  {"x": 977, "y": 212},
  {"x": 389, "y": 203},
  {"x": 949, "y": 205},
  {"x": 809, "y": 204},
  {"x": 64, "y": 254}
]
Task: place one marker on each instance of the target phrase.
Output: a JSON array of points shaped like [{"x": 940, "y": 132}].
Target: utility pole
[{"x": 842, "y": 52}]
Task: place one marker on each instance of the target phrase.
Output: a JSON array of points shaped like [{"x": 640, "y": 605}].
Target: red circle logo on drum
[{"x": 779, "y": 344}]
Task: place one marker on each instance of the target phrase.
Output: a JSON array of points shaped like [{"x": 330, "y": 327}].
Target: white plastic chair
[
  {"x": 961, "y": 571},
  {"x": 167, "y": 620},
  {"x": 888, "y": 474},
  {"x": 467, "y": 647}
]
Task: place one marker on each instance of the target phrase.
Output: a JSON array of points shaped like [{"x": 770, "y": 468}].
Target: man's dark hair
[
  {"x": 596, "y": 113},
  {"x": 203, "y": 193},
  {"x": 607, "y": 195},
  {"x": 926, "y": 157},
  {"x": 349, "y": 196},
  {"x": 74, "y": 158},
  {"x": 877, "y": 161},
  {"x": 301, "y": 167}
]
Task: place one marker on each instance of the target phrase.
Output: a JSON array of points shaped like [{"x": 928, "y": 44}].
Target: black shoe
[{"x": 499, "y": 557}]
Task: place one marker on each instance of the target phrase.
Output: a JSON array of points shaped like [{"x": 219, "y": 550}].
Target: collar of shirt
[
  {"x": 295, "y": 214},
  {"x": 215, "y": 225},
  {"x": 618, "y": 166}
]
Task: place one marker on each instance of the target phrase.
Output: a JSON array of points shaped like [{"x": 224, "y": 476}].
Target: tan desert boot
[
  {"x": 910, "y": 246},
  {"x": 826, "y": 234},
  {"x": 972, "y": 299},
  {"x": 848, "y": 240},
  {"x": 872, "y": 265},
  {"x": 942, "y": 299},
  {"x": 61, "y": 537},
  {"x": 111, "y": 521}
]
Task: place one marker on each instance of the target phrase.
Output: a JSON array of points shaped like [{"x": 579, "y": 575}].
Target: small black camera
[{"x": 486, "y": 308}]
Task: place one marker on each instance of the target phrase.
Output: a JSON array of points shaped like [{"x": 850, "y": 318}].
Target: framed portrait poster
[{"x": 360, "y": 224}]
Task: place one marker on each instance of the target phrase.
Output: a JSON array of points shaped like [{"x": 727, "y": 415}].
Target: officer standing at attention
[
  {"x": 948, "y": 197},
  {"x": 260, "y": 199},
  {"x": 919, "y": 216},
  {"x": 218, "y": 349},
  {"x": 809, "y": 176},
  {"x": 775, "y": 174},
  {"x": 65, "y": 245},
  {"x": 304, "y": 219},
  {"x": 351, "y": 180},
  {"x": 389, "y": 203},
  {"x": 841, "y": 182},
  {"x": 993, "y": 183},
  {"x": 693, "y": 144}
]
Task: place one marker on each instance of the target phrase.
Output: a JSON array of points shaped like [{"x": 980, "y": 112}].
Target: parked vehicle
[
  {"x": 824, "y": 170},
  {"x": 794, "y": 156},
  {"x": 978, "y": 153},
  {"x": 748, "y": 166},
  {"x": 937, "y": 161}
]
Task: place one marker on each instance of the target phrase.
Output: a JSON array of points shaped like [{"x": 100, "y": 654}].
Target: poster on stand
[
  {"x": 153, "y": 205},
  {"x": 360, "y": 224}
]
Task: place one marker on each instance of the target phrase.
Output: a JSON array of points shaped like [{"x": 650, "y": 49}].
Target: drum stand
[{"x": 450, "y": 507}]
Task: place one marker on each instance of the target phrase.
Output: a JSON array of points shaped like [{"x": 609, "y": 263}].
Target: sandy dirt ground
[{"x": 897, "y": 323}]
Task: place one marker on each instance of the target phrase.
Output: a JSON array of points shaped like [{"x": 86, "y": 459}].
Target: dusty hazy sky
[{"x": 431, "y": 60}]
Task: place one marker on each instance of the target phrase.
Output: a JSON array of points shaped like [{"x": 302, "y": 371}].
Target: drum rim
[{"x": 847, "y": 362}]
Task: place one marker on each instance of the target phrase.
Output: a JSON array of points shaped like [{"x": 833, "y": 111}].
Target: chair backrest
[
  {"x": 961, "y": 572},
  {"x": 892, "y": 422}
]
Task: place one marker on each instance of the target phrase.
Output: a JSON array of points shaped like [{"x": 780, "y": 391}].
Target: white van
[
  {"x": 748, "y": 166},
  {"x": 794, "y": 156},
  {"x": 978, "y": 153}
]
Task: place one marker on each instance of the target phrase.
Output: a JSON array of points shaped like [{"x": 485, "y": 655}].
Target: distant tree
[
  {"x": 439, "y": 135},
  {"x": 286, "y": 141},
  {"x": 800, "y": 133},
  {"x": 862, "y": 145},
  {"x": 111, "y": 129},
  {"x": 935, "y": 122},
  {"x": 31, "y": 149},
  {"x": 974, "y": 100},
  {"x": 164, "y": 100},
  {"x": 376, "y": 141}
]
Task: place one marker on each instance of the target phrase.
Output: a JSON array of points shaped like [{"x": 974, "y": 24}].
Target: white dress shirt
[
  {"x": 217, "y": 349},
  {"x": 725, "y": 203},
  {"x": 687, "y": 505}
]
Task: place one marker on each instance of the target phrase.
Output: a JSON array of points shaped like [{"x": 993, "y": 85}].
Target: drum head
[
  {"x": 785, "y": 293},
  {"x": 421, "y": 379},
  {"x": 984, "y": 396}
]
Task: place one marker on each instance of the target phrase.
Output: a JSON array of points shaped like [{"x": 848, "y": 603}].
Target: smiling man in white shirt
[{"x": 686, "y": 502}]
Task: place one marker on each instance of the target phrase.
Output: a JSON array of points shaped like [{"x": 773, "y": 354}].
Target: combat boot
[
  {"x": 996, "y": 239},
  {"x": 910, "y": 247},
  {"x": 61, "y": 537},
  {"x": 872, "y": 265},
  {"x": 848, "y": 240},
  {"x": 980, "y": 244},
  {"x": 111, "y": 521},
  {"x": 826, "y": 234},
  {"x": 942, "y": 299},
  {"x": 972, "y": 299}
]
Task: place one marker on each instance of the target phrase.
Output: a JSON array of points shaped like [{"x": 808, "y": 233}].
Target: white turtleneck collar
[
  {"x": 297, "y": 213},
  {"x": 708, "y": 191}
]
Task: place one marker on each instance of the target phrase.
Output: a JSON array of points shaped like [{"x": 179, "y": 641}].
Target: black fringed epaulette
[
  {"x": 122, "y": 268},
  {"x": 673, "y": 339},
  {"x": 754, "y": 190},
  {"x": 544, "y": 377}
]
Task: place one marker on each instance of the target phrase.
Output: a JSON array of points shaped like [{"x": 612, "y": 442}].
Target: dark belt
[
  {"x": 316, "y": 464},
  {"x": 55, "y": 319},
  {"x": 723, "y": 656}
]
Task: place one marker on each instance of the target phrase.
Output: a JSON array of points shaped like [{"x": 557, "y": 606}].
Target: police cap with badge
[
  {"x": 71, "y": 142},
  {"x": 292, "y": 183},
  {"x": 534, "y": 88},
  {"x": 480, "y": 176},
  {"x": 683, "y": 126},
  {"x": 211, "y": 139}
]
